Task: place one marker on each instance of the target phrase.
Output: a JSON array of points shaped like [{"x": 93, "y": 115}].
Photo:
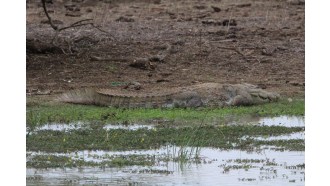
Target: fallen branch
[
  {"x": 76, "y": 24},
  {"x": 47, "y": 15}
]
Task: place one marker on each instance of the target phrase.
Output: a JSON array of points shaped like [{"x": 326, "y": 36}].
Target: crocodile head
[{"x": 247, "y": 94}]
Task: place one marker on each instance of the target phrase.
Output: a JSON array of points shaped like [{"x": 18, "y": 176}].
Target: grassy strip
[
  {"x": 224, "y": 137},
  {"x": 53, "y": 161},
  {"x": 39, "y": 114}
]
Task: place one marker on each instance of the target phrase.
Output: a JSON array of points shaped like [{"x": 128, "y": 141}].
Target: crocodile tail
[
  {"x": 81, "y": 96},
  {"x": 141, "y": 101},
  {"x": 93, "y": 97},
  {"x": 131, "y": 101}
]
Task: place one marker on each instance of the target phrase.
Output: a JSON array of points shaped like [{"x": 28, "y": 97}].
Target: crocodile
[{"x": 200, "y": 95}]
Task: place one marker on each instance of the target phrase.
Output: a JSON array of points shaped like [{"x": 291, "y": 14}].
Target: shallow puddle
[
  {"x": 61, "y": 126},
  {"x": 215, "y": 167},
  {"x": 292, "y": 136},
  {"x": 211, "y": 167},
  {"x": 128, "y": 127},
  {"x": 287, "y": 121},
  {"x": 78, "y": 125}
]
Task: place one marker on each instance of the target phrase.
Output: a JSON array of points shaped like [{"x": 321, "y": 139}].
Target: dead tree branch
[
  {"x": 76, "y": 24},
  {"x": 47, "y": 15}
]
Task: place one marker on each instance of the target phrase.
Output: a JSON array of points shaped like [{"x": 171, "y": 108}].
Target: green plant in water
[
  {"x": 33, "y": 120},
  {"x": 193, "y": 146}
]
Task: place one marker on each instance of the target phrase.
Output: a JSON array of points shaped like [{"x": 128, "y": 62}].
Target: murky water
[
  {"x": 296, "y": 135},
  {"x": 78, "y": 125},
  {"x": 267, "y": 167},
  {"x": 287, "y": 121},
  {"x": 216, "y": 167}
]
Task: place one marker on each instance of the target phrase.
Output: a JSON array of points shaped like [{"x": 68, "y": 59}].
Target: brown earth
[{"x": 163, "y": 43}]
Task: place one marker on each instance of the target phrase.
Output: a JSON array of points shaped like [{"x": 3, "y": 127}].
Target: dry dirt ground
[{"x": 166, "y": 43}]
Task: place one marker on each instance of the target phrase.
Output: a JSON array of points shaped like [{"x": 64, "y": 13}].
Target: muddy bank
[{"x": 166, "y": 44}]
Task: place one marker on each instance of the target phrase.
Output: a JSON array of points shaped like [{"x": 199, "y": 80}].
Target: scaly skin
[{"x": 202, "y": 95}]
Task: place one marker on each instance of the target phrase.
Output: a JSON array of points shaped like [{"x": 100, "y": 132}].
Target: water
[
  {"x": 296, "y": 135},
  {"x": 268, "y": 167},
  {"x": 78, "y": 125},
  {"x": 287, "y": 121}
]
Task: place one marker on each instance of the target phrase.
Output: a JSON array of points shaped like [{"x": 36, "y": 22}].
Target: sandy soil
[{"x": 224, "y": 41}]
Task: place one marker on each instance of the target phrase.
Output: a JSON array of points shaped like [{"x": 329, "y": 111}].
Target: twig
[
  {"x": 73, "y": 26},
  {"x": 76, "y": 24},
  {"x": 102, "y": 30},
  {"x": 47, "y": 15},
  {"x": 81, "y": 21}
]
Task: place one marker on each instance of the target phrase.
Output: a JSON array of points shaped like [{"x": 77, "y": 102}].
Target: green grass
[
  {"x": 54, "y": 161},
  {"x": 223, "y": 137},
  {"x": 196, "y": 130},
  {"x": 39, "y": 114}
]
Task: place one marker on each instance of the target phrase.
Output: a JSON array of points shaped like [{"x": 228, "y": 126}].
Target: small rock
[
  {"x": 267, "y": 51},
  {"x": 133, "y": 86},
  {"x": 203, "y": 15},
  {"x": 89, "y": 10},
  {"x": 231, "y": 22},
  {"x": 157, "y": 2},
  {"x": 219, "y": 33},
  {"x": 73, "y": 14},
  {"x": 243, "y": 5},
  {"x": 296, "y": 2},
  {"x": 96, "y": 58},
  {"x": 294, "y": 83},
  {"x": 179, "y": 42},
  {"x": 165, "y": 74},
  {"x": 216, "y": 9},
  {"x": 290, "y": 100},
  {"x": 282, "y": 48},
  {"x": 69, "y": 6},
  {"x": 73, "y": 9},
  {"x": 162, "y": 80},
  {"x": 212, "y": 22},
  {"x": 200, "y": 7},
  {"x": 262, "y": 86},
  {"x": 142, "y": 63},
  {"x": 158, "y": 58},
  {"x": 125, "y": 19}
]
